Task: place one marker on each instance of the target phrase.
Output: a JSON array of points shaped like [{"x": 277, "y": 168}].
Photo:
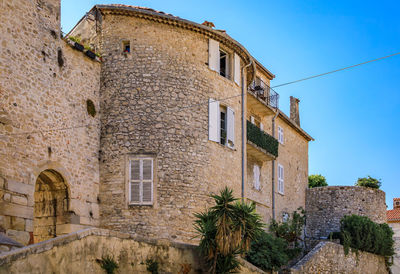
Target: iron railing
[{"x": 265, "y": 93}]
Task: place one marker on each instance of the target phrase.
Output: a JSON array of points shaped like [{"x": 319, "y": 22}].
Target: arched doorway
[{"x": 51, "y": 205}]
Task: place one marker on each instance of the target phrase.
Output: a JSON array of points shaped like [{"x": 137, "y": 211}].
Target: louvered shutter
[
  {"x": 147, "y": 181},
  {"x": 213, "y": 120},
  {"x": 252, "y": 119},
  {"x": 261, "y": 126},
  {"x": 236, "y": 63},
  {"x": 230, "y": 126},
  {"x": 256, "y": 175},
  {"x": 135, "y": 181},
  {"x": 213, "y": 55}
]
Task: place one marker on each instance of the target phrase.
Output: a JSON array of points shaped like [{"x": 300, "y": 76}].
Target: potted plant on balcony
[
  {"x": 89, "y": 52},
  {"x": 77, "y": 42}
]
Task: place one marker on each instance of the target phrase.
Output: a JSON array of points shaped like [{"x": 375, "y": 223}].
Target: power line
[{"x": 336, "y": 70}]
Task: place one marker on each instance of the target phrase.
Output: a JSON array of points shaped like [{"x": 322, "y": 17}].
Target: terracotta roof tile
[
  {"x": 136, "y": 7},
  {"x": 393, "y": 215}
]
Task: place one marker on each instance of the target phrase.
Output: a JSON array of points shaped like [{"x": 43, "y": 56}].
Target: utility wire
[{"x": 336, "y": 70}]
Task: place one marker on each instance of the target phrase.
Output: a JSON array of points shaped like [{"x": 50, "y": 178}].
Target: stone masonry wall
[
  {"x": 44, "y": 85},
  {"x": 326, "y": 206},
  {"x": 396, "y": 237},
  {"x": 141, "y": 93},
  {"x": 328, "y": 257}
]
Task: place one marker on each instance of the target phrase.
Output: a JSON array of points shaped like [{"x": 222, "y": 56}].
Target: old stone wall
[
  {"x": 80, "y": 251},
  {"x": 396, "y": 237},
  {"x": 328, "y": 257},
  {"x": 44, "y": 123},
  {"x": 326, "y": 206},
  {"x": 143, "y": 93}
]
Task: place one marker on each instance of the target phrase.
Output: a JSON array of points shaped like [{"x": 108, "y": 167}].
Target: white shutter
[
  {"x": 135, "y": 192},
  {"x": 213, "y": 55},
  {"x": 147, "y": 196},
  {"x": 134, "y": 184},
  {"x": 147, "y": 169},
  {"x": 213, "y": 120},
  {"x": 135, "y": 170},
  {"x": 230, "y": 135},
  {"x": 236, "y": 64},
  {"x": 256, "y": 175},
  {"x": 252, "y": 119},
  {"x": 281, "y": 187},
  {"x": 261, "y": 126}
]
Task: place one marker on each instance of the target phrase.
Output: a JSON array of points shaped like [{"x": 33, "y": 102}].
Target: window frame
[
  {"x": 281, "y": 138},
  {"x": 281, "y": 179},
  {"x": 228, "y": 62},
  {"x": 141, "y": 180}
]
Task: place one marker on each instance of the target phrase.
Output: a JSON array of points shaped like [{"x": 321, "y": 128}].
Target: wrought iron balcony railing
[
  {"x": 265, "y": 93},
  {"x": 262, "y": 139}
]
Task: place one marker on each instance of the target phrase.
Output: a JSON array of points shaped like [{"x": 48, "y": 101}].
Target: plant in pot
[
  {"x": 89, "y": 52},
  {"x": 77, "y": 42}
]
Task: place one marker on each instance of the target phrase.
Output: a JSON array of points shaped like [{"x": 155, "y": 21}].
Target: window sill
[
  {"x": 224, "y": 146},
  {"x": 130, "y": 205},
  {"x": 281, "y": 193}
]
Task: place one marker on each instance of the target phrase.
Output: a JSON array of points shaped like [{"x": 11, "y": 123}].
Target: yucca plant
[{"x": 226, "y": 230}]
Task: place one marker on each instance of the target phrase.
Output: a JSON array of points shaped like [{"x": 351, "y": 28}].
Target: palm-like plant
[{"x": 226, "y": 230}]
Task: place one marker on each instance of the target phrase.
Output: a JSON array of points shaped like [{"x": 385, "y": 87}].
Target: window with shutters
[
  {"x": 141, "y": 181},
  {"x": 225, "y": 63},
  {"x": 280, "y": 135},
  {"x": 281, "y": 181},
  {"x": 256, "y": 177},
  {"x": 221, "y": 124}
]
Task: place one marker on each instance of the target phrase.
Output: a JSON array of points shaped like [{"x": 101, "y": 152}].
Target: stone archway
[{"x": 51, "y": 205}]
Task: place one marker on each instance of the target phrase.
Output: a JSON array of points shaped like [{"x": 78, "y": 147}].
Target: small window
[
  {"x": 281, "y": 181},
  {"x": 224, "y": 64},
  {"x": 256, "y": 177},
  {"x": 223, "y": 125},
  {"x": 126, "y": 47},
  {"x": 280, "y": 135},
  {"x": 141, "y": 181}
]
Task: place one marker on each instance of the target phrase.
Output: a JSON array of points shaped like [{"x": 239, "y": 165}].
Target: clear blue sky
[{"x": 354, "y": 115}]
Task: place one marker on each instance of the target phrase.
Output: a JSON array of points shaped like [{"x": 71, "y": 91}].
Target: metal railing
[{"x": 265, "y": 93}]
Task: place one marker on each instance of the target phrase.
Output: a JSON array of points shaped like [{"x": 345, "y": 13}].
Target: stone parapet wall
[
  {"x": 326, "y": 206},
  {"x": 328, "y": 257},
  {"x": 78, "y": 252}
]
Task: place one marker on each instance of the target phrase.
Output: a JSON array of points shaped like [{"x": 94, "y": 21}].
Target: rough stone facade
[
  {"x": 44, "y": 125},
  {"x": 326, "y": 206},
  {"x": 78, "y": 252},
  {"x": 328, "y": 257}
]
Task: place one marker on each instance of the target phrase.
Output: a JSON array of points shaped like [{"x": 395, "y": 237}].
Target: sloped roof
[{"x": 393, "y": 215}]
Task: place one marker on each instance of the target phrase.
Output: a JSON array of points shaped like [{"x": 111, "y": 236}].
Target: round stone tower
[{"x": 159, "y": 158}]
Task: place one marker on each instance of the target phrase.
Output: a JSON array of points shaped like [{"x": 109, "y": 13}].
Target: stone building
[
  {"x": 167, "y": 131},
  {"x": 393, "y": 219}
]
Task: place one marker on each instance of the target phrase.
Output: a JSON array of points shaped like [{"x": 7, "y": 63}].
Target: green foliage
[
  {"x": 108, "y": 264},
  {"x": 316, "y": 180},
  {"x": 91, "y": 109},
  {"x": 262, "y": 139},
  {"x": 369, "y": 182},
  {"x": 268, "y": 252},
  {"x": 360, "y": 233},
  {"x": 291, "y": 229},
  {"x": 226, "y": 231},
  {"x": 75, "y": 39},
  {"x": 152, "y": 266}
]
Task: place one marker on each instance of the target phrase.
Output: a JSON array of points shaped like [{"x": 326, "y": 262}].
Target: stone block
[
  {"x": 19, "y": 236},
  {"x": 7, "y": 197},
  {"x": 2, "y": 182},
  {"x": 20, "y": 187},
  {"x": 18, "y": 223},
  {"x": 16, "y": 210},
  {"x": 20, "y": 200},
  {"x": 28, "y": 225}
]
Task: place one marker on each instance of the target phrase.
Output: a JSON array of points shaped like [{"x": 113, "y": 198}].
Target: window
[
  {"x": 256, "y": 177},
  {"x": 126, "y": 46},
  {"x": 141, "y": 181},
  {"x": 224, "y": 64},
  {"x": 281, "y": 182},
  {"x": 280, "y": 135},
  {"x": 221, "y": 124}
]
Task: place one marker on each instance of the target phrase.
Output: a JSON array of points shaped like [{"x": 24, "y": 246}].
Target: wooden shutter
[
  {"x": 256, "y": 175},
  {"x": 261, "y": 126},
  {"x": 213, "y": 55},
  {"x": 147, "y": 181},
  {"x": 236, "y": 64},
  {"x": 281, "y": 181},
  {"x": 230, "y": 126},
  {"x": 252, "y": 120},
  {"x": 213, "y": 120},
  {"x": 134, "y": 194}
]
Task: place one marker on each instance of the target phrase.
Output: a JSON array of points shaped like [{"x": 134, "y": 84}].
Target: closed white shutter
[
  {"x": 134, "y": 193},
  {"x": 230, "y": 126},
  {"x": 213, "y": 55},
  {"x": 256, "y": 175},
  {"x": 261, "y": 126},
  {"x": 213, "y": 120},
  {"x": 281, "y": 186},
  {"x": 236, "y": 63},
  {"x": 141, "y": 181},
  {"x": 252, "y": 119}
]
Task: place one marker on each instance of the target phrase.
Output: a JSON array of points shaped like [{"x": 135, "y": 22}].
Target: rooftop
[{"x": 393, "y": 215}]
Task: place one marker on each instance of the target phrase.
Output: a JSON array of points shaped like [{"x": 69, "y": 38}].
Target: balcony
[
  {"x": 261, "y": 144},
  {"x": 262, "y": 96}
]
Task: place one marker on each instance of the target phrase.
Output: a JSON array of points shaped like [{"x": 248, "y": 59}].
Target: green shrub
[
  {"x": 108, "y": 264},
  {"x": 360, "y": 233},
  {"x": 262, "y": 139},
  {"x": 316, "y": 181},
  {"x": 268, "y": 252},
  {"x": 369, "y": 182}
]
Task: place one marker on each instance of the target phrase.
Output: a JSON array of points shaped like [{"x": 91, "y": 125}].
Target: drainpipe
[
  {"x": 243, "y": 125},
  {"x": 273, "y": 168}
]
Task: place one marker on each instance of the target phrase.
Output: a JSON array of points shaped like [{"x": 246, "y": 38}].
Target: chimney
[
  {"x": 294, "y": 110},
  {"x": 396, "y": 203}
]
